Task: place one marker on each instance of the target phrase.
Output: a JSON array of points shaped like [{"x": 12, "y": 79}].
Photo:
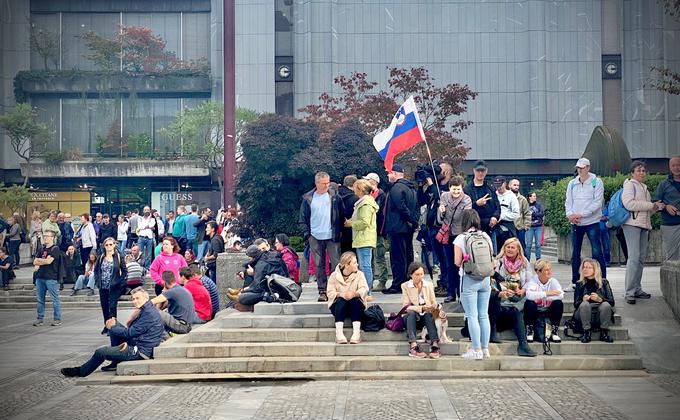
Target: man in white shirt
[
  {"x": 509, "y": 211},
  {"x": 145, "y": 231}
]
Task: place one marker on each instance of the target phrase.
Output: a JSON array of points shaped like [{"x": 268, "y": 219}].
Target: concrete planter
[
  {"x": 654, "y": 249},
  {"x": 670, "y": 285}
]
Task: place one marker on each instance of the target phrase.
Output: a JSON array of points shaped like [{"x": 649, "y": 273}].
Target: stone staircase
[
  {"x": 549, "y": 248},
  {"x": 289, "y": 341}
]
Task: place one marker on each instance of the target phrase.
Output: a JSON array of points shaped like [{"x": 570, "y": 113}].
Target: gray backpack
[{"x": 480, "y": 265}]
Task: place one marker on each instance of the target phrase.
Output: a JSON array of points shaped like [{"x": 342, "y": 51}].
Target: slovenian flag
[{"x": 404, "y": 132}]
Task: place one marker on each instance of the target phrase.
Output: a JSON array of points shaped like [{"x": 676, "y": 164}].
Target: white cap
[
  {"x": 582, "y": 163},
  {"x": 373, "y": 177}
]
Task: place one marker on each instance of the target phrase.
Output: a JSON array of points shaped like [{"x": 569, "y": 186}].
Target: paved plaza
[{"x": 31, "y": 386}]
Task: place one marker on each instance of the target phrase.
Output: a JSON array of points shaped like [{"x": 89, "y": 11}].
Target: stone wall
[
  {"x": 670, "y": 285},
  {"x": 654, "y": 250}
]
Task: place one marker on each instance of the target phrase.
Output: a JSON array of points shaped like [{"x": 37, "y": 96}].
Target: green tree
[
  {"x": 663, "y": 78},
  {"x": 46, "y": 44},
  {"x": 273, "y": 173},
  {"x": 199, "y": 134},
  {"x": 14, "y": 197},
  {"x": 27, "y": 136},
  {"x": 353, "y": 152}
]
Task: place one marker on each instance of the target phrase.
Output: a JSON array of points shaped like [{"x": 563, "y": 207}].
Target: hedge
[{"x": 552, "y": 197}]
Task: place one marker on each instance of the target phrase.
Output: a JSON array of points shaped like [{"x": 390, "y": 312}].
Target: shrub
[
  {"x": 297, "y": 243},
  {"x": 552, "y": 196}
]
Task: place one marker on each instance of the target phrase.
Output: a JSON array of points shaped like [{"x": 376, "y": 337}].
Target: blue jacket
[
  {"x": 189, "y": 229},
  {"x": 146, "y": 331}
]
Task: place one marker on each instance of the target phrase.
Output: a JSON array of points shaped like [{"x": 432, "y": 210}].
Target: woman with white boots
[{"x": 347, "y": 290}]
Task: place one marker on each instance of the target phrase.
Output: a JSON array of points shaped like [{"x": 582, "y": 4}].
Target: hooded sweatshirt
[
  {"x": 585, "y": 198},
  {"x": 165, "y": 262},
  {"x": 364, "y": 226}
]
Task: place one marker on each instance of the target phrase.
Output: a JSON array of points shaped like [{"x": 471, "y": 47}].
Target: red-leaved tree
[{"x": 439, "y": 108}]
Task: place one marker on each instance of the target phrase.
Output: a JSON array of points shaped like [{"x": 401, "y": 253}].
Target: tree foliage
[
  {"x": 273, "y": 176},
  {"x": 27, "y": 136},
  {"x": 439, "y": 108},
  {"x": 46, "y": 44},
  {"x": 14, "y": 197},
  {"x": 663, "y": 78}
]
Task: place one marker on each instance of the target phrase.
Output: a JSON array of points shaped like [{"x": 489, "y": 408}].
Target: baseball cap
[
  {"x": 253, "y": 251},
  {"x": 480, "y": 164},
  {"x": 499, "y": 180},
  {"x": 397, "y": 168},
  {"x": 372, "y": 177},
  {"x": 582, "y": 163}
]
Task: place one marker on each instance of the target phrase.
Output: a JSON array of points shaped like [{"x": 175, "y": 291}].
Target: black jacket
[
  {"x": 491, "y": 209},
  {"x": 401, "y": 211},
  {"x": 267, "y": 263},
  {"x": 107, "y": 231},
  {"x": 146, "y": 331},
  {"x": 430, "y": 197},
  {"x": 348, "y": 199},
  {"x": 216, "y": 246},
  {"x": 119, "y": 271},
  {"x": 200, "y": 229},
  {"x": 337, "y": 214},
  {"x": 380, "y": 217},
  {"x": 605, "y": 292}
]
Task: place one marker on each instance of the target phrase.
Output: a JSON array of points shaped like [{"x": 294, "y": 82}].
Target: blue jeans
[
  {"x": 577, "y": 234},
  {"x": 365, "y": 256},
  {"x": 111, "y": 353},
  {"x": 80, "y": 283},
  {"x": 42, "y": 286},
  {"x": 191, "y": 244},
  {"x": 121, "y": 246},
  {"x": 146, "y": 249},
  {"x": 202, "y": 249},
  {"x": 474, "y": 296},
  {"x": 606, "y": 242},
  {"x": 444, "y": 262},
  {"x": 533, "y": 237}
]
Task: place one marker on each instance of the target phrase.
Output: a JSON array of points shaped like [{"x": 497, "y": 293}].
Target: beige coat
[
  {"x": 409, "y": 296},
  {"x": 639, "y": 202},
  {"x": 356, "y": 282}
]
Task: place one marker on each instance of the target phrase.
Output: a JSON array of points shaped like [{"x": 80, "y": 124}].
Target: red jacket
[{"x": 202, "y": 303}]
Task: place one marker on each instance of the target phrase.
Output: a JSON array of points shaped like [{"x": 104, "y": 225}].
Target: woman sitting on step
[
  {"x": 593, "y": 301},
  {"x": 347, "y": 290},
  {"x": 544, "y": 297},
  {"x": 418, "y": 295}
]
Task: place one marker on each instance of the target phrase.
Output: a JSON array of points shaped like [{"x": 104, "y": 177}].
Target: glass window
[
  {"x": 164, "y": 112},
  {"x": 46, "y": 28},
  {"x": 196, "y": 36},
  {"x": 92, "y": 124},
  {"x": 137, "y": 116},
  {"x": 76, "y": 24},
  {"x": 48, "y": 112},
  {"x": 165, "y": 25}
]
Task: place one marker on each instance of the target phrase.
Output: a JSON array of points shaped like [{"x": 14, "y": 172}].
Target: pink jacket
[
  {"x": 636, "y": 198},
  {"x": 165, "y": 262}
]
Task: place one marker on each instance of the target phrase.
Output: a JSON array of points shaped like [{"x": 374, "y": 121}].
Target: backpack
[
  {"x": 480, "y": 264},
  {"x": 373, "y": 319},
  {"x": 618, "y": 213},
  {"x": 286, "y": 288}
]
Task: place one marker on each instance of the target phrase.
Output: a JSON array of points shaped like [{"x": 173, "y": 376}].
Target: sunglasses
[{"x": 109, "y": 244}]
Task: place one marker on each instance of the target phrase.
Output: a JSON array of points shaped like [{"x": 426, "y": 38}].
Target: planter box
[
  {"x": 93, "y": 84},
  {"x": 654, "y": 250},
  {"x": 670, "y": 285},
  {"x": 115, "y": 168}
]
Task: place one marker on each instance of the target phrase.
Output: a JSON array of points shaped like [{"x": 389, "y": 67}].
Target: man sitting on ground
[
  {"x": 177, "y": 300},
  {"x": 189, "y": 278},
  {"x": 143, "y": 333}
]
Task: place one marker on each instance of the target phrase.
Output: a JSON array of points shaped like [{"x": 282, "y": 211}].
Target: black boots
[
  {"x": 493, "y": 338},
  {"x": 71, "y": 372},
  {"x": 585, "y": 338},
  {"x": 604, "y": 336}
]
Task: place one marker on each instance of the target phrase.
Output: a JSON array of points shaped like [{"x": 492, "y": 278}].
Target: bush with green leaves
[{"x": 552, "y": 197}]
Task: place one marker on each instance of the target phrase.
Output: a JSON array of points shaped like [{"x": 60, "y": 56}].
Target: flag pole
[{"x": 429, "y": 155}]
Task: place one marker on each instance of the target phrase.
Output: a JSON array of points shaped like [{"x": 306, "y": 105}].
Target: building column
[{"x": 612, "y": 46}]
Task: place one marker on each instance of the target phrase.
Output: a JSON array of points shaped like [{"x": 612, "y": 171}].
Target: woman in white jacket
[
  {"x": 544, "y": 296},
  {"x": 87, "y": 237},
  {"x": 636, "y": 199}
]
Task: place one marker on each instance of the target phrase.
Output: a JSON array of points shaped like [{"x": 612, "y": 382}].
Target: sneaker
[
  {"x": 74, "y": 292},
  {"x": 642, "y": 295},
  {"x": 322, "y": 297},
  {"x": 415, "y": 352},
  {"x": 111, "y": 367},
  {"x": 553, "y": 334},
  {"x": 56, "y": 323},
  {"x": 569, "y": 288},
  {"x": 630, "y": 300},
  {"x": 435, "y": 353},
  {"x": 530, "y": 334},
  {"x": 90, "y": 292},
  {"x": 486, "y": 353},
  {"x": 450, "y": 299},
  {"x": 38, "y": 323},
  {"x": 71, "y": 372},
  {"x": 471, "y": 354}
]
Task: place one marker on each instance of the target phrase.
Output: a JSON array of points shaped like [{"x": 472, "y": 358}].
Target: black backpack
[
  {"x": 286, "y": 288},
  {"x": 373, "y": 319}
]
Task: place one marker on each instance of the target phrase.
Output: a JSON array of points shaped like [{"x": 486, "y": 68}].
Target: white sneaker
[
  {"x": 471, "y": 354},
  {"x": 569, "y": 288},
  {"x": 486, "y": 354},
  {"x": 553, "y": 335}
]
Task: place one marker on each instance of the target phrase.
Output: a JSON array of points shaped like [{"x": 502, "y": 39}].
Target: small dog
[{"x": 441, "y": 322}]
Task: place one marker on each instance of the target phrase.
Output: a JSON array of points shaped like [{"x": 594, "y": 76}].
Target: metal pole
[{"x": 229, "y": 166}]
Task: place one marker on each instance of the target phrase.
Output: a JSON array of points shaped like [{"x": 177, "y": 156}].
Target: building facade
[{"x": 547, "y": 73}]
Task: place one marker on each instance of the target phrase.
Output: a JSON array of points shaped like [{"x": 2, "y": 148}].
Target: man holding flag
[{"x": 401, "y": 211}]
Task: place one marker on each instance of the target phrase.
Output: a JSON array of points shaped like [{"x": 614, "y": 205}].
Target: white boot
[
  {"x": 356, "y": 333},
  {"x": 339, "y": 334}
]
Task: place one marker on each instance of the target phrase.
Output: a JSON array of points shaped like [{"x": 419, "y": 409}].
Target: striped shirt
[
  {"x": 212, "y": 291},
  {"x": 134, "y": 273}
]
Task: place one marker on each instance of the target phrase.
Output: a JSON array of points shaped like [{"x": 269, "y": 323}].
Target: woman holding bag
[
  {"x": 418, "y": 297},
  {"x": 450, "y": 215}
]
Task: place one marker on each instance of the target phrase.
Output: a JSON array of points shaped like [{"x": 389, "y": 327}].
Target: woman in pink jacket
[
  {"x": 636, "y": 199},
  {"x": 168, "y": 260}
]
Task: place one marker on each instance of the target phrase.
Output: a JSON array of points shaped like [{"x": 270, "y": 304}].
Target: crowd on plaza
[{"x": 480, "y": 235}]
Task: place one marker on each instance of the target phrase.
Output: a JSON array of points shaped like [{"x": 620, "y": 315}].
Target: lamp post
[{"x": 229, "y": 79}]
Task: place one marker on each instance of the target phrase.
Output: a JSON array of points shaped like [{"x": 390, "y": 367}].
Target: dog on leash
[{"x": 441, "y": 322}]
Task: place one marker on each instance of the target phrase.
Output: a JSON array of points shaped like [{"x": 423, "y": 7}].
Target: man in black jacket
[
  {"x": 321, "y": 220},
  {"x": 484, "y": 201},
  {"x": 216, "y": 246},
  {"x": 401, "y": 220},
  {"x": 348, "y": 199},
  {"x": 379, "y": 264},
  {"x": 106, "y": 230}
]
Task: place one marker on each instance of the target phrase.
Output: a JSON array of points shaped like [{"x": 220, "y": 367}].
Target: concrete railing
[
  {"x": 670, "y": 285},
  {"x": 654, "y": 249}
]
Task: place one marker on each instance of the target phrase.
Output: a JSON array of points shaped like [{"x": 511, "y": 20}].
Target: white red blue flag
[{"x": 404, "y": 132}]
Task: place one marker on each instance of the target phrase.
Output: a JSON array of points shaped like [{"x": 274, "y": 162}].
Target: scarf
[{"x": 513, "y": 267}]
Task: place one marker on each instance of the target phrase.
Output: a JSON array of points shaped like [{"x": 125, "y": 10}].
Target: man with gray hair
[
  {"x": 321, "y": 219},
  {"x": 137, "y": 340},
  {"x": 668, "y": 192}
]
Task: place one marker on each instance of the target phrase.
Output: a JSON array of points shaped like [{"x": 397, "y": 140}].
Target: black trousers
[
  {"x": 553, "y": 313},
  {"x": 401, "y": 255},
  {"x": 504, "y": 317},
  {"x": 108, "y": 300},
  {"x": 250, "y": 298},
  {"x": 415, "y": 321},
  {"x": 353, "y": 308}
]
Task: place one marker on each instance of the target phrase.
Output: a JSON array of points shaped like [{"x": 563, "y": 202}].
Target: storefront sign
[{"x": 164, "y": 201}]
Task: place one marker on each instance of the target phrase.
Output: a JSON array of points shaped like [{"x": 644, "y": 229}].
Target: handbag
[
  {"x": 395, "y": 322},
  {"x": 444, "y": 234}
]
